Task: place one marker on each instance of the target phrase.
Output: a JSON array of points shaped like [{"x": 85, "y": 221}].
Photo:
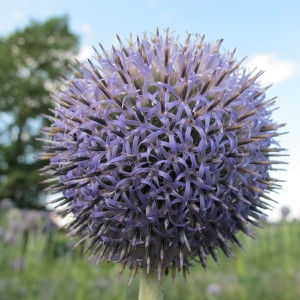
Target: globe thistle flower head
[{"x": 162, "y": 152}]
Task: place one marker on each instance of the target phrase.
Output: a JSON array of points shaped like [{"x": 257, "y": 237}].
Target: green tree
[{"x": 32, "y": 61}]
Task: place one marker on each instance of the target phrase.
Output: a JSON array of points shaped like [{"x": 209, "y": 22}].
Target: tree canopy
[{"x": 32, "y": 61}]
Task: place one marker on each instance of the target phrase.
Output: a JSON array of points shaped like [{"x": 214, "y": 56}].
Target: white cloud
[
  {"x": 85, "y": 53},
  {"x": 86, "y": 29},
  {"x": 275, "y": 70},
  {"x": 18, "y": 15},
  {"x": 153, "y": 2}
]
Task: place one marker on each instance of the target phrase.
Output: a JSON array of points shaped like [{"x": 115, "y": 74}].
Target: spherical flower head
[{"x": 162, "y": 152}]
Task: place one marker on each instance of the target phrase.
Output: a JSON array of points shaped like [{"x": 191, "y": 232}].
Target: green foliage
[
  {"x": 32, "y": 60},
  {"x": 268, "y": 269}
]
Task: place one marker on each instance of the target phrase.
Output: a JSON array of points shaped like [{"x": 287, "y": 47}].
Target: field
[{"x": 43, "y": 266}]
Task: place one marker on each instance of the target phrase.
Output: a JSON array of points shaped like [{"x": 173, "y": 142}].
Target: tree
[{"x": 32, "y": 61}]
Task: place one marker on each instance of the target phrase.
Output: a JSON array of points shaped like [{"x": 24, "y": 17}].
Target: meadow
[{"x": 44, "y": 266}]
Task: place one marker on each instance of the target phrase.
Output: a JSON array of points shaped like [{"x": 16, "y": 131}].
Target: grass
[{"x": 268, "y": 269}]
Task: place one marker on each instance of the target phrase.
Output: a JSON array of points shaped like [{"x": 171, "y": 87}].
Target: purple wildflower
[{"x": 162, "y": 152}]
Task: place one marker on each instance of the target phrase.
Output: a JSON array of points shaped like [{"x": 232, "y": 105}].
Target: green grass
[{"x": 268, "y": 269}]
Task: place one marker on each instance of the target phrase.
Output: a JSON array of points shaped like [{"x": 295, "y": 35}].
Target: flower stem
[{"x": 151, "y": 288}]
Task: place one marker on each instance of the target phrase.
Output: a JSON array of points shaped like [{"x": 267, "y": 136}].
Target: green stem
[{"x": 151, "y": 288}]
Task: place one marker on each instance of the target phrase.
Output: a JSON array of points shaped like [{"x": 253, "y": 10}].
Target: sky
[{"x": 266, "y": 32}]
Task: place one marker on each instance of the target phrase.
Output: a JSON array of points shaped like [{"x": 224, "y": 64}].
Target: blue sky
[{"x": 267, "y": 32}]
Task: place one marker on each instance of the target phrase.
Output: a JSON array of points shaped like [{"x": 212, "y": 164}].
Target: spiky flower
[{"x": 162, "y": 152}]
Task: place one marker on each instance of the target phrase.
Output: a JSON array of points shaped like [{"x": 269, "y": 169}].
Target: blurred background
[{"x": 38, "y": 40}]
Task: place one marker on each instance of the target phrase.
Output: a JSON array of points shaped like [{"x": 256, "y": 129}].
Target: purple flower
[{"x": 162, "y": 152}]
